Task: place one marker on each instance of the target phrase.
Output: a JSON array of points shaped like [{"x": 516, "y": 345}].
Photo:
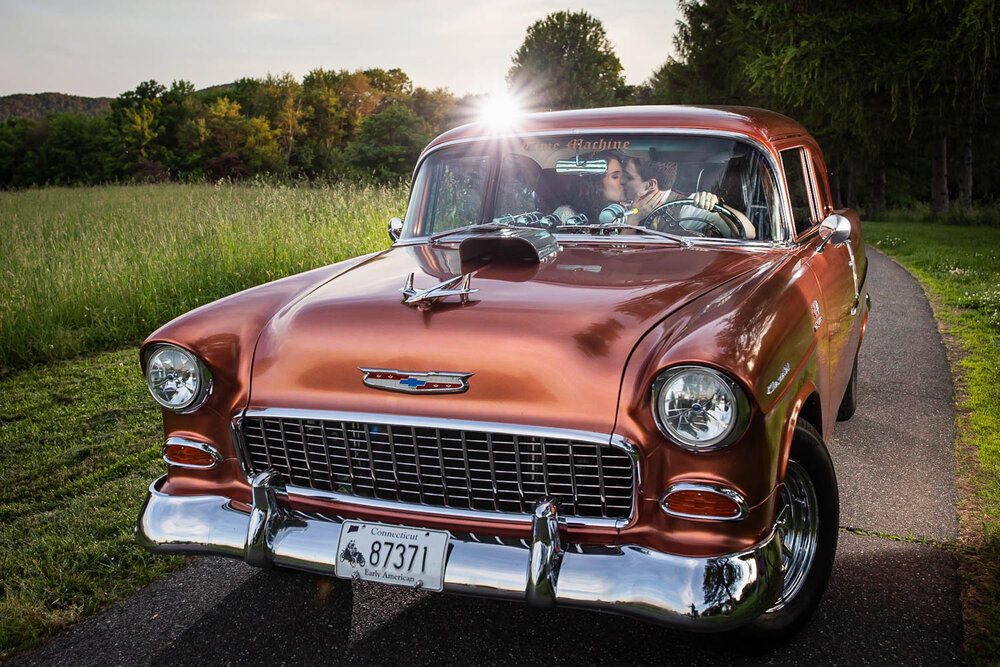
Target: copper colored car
[{"x": 597, "y": 368}]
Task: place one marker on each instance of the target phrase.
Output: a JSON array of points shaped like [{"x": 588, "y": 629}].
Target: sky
[{"x": 105, "y": 47}]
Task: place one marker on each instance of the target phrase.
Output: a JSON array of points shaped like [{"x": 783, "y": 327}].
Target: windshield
[{"x": 690, "y": 186}]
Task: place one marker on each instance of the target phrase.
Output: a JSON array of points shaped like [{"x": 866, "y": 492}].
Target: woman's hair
[{"x": 588, "y": 195}]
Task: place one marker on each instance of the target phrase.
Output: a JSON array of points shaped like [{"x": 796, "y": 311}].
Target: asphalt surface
[{"x": 888, "y": 602}]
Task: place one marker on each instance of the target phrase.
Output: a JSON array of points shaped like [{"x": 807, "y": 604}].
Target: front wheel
[{"x": 807, "y": 526}]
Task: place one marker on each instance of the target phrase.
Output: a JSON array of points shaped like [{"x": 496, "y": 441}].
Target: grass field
[
  {"x": 961, "y": 268},
  {"x": 87, "y": 269}
]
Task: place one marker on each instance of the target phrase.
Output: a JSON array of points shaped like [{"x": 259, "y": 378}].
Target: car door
[{"x": 835, "y": 312}]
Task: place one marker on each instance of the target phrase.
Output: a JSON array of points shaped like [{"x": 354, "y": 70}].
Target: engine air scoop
[{"x": 509, "y": 245}]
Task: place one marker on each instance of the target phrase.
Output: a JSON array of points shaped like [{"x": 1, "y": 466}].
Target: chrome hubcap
[{"x": 798, "y": 530}]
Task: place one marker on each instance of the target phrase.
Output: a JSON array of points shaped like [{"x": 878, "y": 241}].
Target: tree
[
  {"x": 436, "y": 108},
  {"x": 230, "y": 132},
  {"x": 388, "y": 144},
  {"x": 706, "y": 69},
  {"x": 391, "y": 86},
  {"x": 566, "y": 62}
]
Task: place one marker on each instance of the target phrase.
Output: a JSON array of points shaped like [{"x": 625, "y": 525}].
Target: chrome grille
[{"x": 462, "y": 469}]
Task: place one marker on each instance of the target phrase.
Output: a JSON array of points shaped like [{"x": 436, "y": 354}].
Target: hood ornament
[
  {"x": 427, "y": 297},
  {"x": 416, "y": 382}
]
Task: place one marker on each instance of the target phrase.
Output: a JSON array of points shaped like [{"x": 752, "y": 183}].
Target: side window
[
  {"x": 456, "y": 193},
  {"x": 798, "y": 189},
  {"x": 518, "y": 184}
]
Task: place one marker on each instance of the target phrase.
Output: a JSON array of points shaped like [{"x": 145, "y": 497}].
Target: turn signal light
[
  {"x": 194, "y": 455},
  {"x": 703, "y": 502}
]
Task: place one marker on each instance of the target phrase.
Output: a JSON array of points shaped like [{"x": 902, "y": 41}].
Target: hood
[{"x": 546, "y": 344}]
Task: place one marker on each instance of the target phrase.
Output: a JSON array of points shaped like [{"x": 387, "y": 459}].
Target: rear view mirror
[{"x": 579, "y": 166}]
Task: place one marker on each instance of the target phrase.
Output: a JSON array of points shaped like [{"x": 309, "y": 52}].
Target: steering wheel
[{"x": 725, "y": 225}]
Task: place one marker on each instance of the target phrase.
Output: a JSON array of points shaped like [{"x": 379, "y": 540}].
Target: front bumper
[{"x": 697, "y": 594}]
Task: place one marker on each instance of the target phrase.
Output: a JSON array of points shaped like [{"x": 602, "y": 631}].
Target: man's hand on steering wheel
[
  {"x": 705, "y": 200},
  {"x": 725, "y": 224}
]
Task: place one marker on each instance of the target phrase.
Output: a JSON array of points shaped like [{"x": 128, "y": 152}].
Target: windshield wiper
[{"x": 680, "y": 240}]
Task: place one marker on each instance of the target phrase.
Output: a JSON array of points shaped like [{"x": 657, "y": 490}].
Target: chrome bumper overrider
[{"x": 708, "y": 594}]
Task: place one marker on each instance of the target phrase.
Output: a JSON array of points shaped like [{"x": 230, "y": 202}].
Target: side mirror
[
  {"x": 834, "y": 229},
  {"x": 395, "y": 228}
]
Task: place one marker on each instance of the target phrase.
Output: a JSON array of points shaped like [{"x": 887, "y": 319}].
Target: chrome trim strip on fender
[{"x": 679, "y": 591}]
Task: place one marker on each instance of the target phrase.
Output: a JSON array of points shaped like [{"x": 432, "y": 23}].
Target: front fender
[
  {"x": 761, "y": 332},
  {"x": 223, "y": 334}
]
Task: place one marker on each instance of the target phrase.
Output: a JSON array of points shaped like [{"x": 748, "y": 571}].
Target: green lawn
[{"x": 960, "y": 266}]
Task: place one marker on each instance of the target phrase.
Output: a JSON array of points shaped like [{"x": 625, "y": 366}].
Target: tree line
[
  {"x": 333, "y": 123},
  {"x": 901, "y": 94}
]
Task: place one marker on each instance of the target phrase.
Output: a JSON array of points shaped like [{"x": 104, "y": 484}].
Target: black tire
[
  {"x": 849, "y": 404},
  {"x": 809, "y": 466}
]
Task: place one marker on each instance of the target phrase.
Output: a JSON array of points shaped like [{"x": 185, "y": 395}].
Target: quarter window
[{"x": 798, "y": 189}]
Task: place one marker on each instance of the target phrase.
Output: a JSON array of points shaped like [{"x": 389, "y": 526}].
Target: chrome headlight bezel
[
  {"x": 203, "y": 375},
  {"x": 737, "y": 425}
]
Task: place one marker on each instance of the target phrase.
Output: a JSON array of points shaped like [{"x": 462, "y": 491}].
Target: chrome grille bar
[{"x": 468, "y": 466}]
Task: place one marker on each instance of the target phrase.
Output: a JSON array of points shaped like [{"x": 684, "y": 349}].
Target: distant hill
[
  {"x": 215, "y": 90},
  {"x": 40, "y": 105}
]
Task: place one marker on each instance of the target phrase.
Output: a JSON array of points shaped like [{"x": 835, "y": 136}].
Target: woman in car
[{"x": 592, "y": 192}]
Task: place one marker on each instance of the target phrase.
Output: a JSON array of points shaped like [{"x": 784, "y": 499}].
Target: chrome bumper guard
[{"x": 695, "y": 594}]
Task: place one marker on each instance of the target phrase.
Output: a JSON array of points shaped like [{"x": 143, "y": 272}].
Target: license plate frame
[{"x": 419, "y": 564}]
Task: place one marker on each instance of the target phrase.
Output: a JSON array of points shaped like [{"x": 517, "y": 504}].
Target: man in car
[{"x": 648, "y": 185}]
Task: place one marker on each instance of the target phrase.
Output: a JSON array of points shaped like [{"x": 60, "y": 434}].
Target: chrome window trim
[
  {"x": 194, "y": 444},
  {"x": 610, "y": 440},
  {"x": 706, "y": 487},
  {"x": 785, "y": 231}
]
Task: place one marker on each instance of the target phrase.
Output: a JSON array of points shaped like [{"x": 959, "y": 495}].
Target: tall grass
[{"x": 99, "y": 268}]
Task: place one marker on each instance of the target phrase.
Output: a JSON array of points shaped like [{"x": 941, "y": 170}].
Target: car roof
[{"x": 765, "y": 126}]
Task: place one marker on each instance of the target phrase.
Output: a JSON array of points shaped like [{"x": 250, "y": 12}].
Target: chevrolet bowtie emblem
[
  {"x": 427, "y": 297},
  {"x": 416, "y": 382}
]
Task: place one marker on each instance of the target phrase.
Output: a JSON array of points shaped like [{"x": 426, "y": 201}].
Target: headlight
[
  {"x": 177, "y": 379},
  {"x": 699, "y": 408}
]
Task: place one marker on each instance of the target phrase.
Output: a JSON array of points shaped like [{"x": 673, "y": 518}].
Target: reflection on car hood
[{"x": 546, "y": 343}]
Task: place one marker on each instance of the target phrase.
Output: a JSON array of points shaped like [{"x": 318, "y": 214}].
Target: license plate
[{"x": 399, "y": 555}]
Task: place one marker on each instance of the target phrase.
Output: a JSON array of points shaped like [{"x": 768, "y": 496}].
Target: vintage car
[{"x": 597, "y": 368}]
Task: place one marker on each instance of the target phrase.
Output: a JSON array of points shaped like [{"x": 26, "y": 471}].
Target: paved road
[{"x": 888, "y": 602}]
